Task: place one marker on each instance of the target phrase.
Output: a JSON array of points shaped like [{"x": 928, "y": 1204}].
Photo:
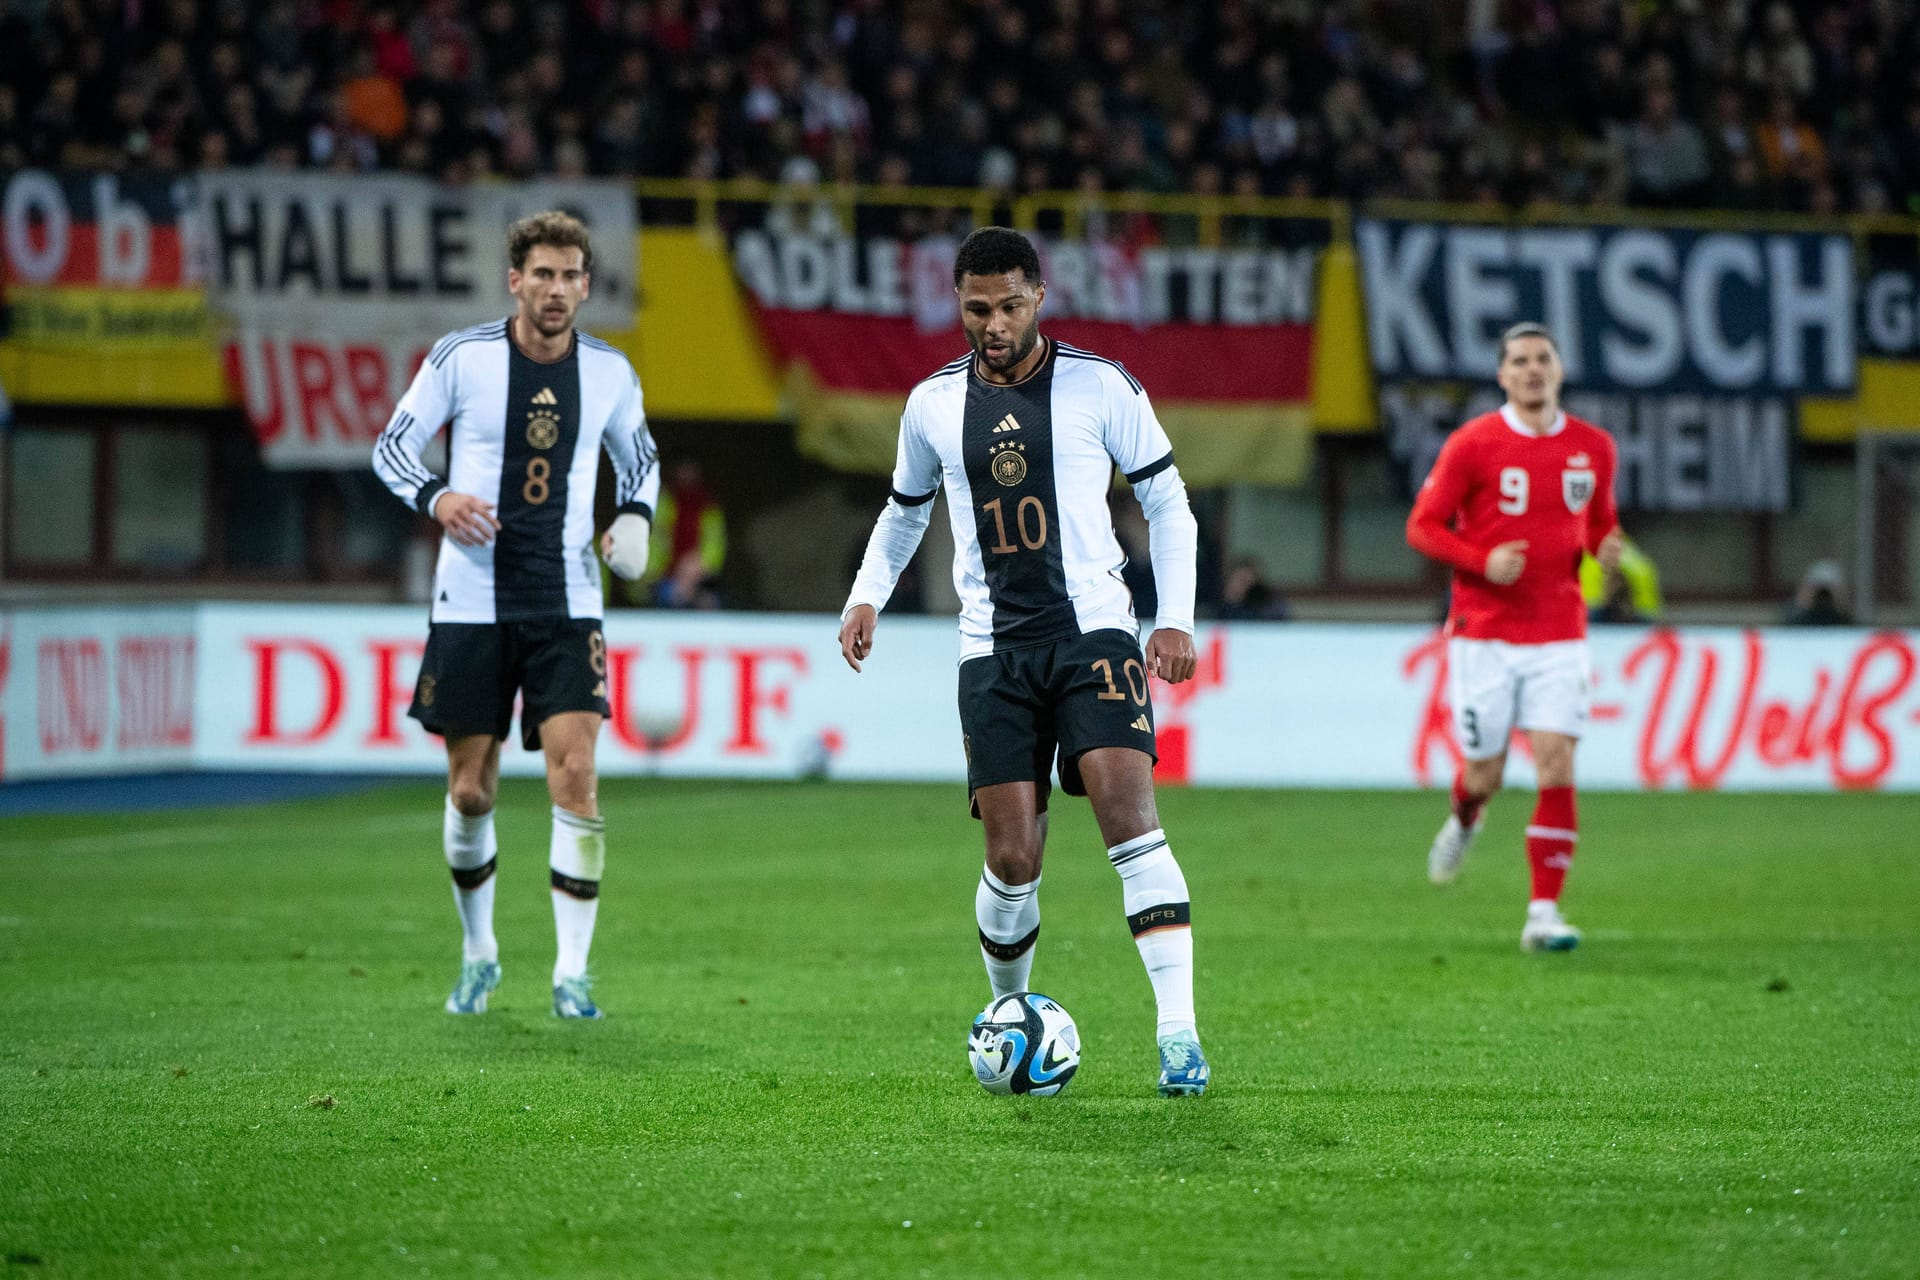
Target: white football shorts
[{"x": 1496, "y": 687}]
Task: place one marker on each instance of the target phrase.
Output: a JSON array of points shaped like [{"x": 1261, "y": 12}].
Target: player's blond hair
[{"x": 555, "y": 229}]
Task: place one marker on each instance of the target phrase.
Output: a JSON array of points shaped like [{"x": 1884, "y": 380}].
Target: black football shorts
[
  {"x": 472, "y": 670},
  {"x": 1020, "y": 708}
]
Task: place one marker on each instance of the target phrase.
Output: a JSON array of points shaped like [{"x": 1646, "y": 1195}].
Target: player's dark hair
[
  {"x": 1526, "y": 329},
  {"x": 995, "y": 251},
  {"x": 556, "y": 230}
]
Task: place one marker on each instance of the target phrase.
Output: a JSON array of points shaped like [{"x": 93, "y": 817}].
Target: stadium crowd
[{"x": 1751, "y": 104}]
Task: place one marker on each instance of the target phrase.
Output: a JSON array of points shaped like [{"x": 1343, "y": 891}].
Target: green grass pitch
[{"x": 222, "y": 1048}]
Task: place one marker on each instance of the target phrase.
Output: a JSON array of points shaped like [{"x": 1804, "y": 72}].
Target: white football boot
[
  {"x": 1545, "y": 930},
  {"x": 1450, "y": 848}
]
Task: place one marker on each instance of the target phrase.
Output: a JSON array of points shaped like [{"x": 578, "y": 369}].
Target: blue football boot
[
  {"x": 477, "y": 980},
  {"x": 1183, "y": 1068},
  {"x": 572, "y": 998}
]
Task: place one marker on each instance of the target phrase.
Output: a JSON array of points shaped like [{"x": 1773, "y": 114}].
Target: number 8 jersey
[
  {"x": 1027, "y": 467},
  {"x": 526, "y": 437},
  {"x": 1496, "y": 481}
]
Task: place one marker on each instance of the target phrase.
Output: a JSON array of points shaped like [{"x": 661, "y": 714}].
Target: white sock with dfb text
[
  {"x": 577, "y": 857},
  {"x": 1009, "y": 920},
  {"x": 1155, "y": 900},
  {"x": 472, "y": 855}
]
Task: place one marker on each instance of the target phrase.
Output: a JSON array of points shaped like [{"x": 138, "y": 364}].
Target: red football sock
[
  {"x": 1550, "y": 840},
  {"x": 1466, "y": 807}
]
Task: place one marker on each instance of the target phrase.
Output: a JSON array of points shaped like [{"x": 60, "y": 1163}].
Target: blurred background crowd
[{"x": 1811, "y": 106}]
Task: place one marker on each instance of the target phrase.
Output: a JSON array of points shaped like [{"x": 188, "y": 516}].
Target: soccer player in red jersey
[{"x": 1514, "y": 498}]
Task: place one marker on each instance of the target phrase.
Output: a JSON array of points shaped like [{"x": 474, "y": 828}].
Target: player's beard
[
  {"x": 1017, "y": 350},
  {"x": 551, "y": 323}
]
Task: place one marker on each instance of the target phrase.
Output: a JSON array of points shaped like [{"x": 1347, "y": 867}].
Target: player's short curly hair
[
  {"x": 556, "y": 230},
  {"x": 994, "y": 251},
  {"x": 1526, "y": 329}
]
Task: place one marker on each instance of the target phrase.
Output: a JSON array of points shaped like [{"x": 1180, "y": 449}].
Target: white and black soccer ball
[{"x": 1024, "y": 1043}]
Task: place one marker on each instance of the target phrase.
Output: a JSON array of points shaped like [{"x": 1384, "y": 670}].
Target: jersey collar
[{"x": 1554, "y": 428}]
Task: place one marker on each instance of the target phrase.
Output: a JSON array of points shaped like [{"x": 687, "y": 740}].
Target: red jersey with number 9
[{"x": 1496, "y": 481}]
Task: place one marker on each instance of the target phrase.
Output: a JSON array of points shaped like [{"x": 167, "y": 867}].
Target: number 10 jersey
[
  {"x": 526, "y": 438},
  {"x": 1027, "y": 469}
]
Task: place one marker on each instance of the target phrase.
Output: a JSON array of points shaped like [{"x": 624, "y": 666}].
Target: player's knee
[
  {"x": 1483, "y": 776},
  {"x": 571, "y": 776},
  {"x": 1017, "y": 861},
  {"x": 1555, "y": 769},
  {"x": 471, "y": 797}
]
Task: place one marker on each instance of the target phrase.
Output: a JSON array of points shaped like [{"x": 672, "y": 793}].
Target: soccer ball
[{"x": 1024, "y": 1043}]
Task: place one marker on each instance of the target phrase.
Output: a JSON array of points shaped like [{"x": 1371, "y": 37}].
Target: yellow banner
[{"x": 91, "y": 346}]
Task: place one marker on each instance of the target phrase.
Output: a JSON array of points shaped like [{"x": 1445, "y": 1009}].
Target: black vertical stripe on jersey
[
  {"x": 529, "y": 567},
  {"x": 1028, "y": 587}
]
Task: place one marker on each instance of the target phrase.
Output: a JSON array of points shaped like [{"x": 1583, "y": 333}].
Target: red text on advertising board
[
  {"x": 73, "y": 695},
  {"x": 396, "y": 668},
  {"x": 1172, "y": 734},
  {"x": 268, "y": 728},
  {"x": 761, "y": 688},
  {"x": 660, "y": 733},
  {"x": 154, "y": 679},
  {"x": 1841, "y": 723}
]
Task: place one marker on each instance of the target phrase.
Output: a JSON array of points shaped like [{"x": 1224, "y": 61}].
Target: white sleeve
[
  {"x": 1139, "y": 445},
  {"x": 903, "y": 521},
  {"x": 1173, "y": 542},
  {"x": 422, "y": 411},
  {"x": 1134, "y": 438},
  {"x": 636, "y": 469}
]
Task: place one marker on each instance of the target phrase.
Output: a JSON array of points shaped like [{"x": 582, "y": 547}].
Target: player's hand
[
  {"x": 1506, "y": 562},
  {"x": 1610, "y": 548},
  {"x": 856, "y": 634},
  {"x": 468, "y": 520},
  {"x": 625, "y": 544},
  {"x": 1170, "y": 655}
]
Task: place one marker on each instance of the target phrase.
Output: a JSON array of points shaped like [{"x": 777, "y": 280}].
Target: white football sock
[
  {"x": 1009, "y": 920},
  {"x": 577, "y": 857},
  {"x": 472, "y": 855},
  {"x": 1158, "y": 913}
]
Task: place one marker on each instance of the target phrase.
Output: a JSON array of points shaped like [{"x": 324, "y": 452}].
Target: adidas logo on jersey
[
  {"x": 1141, "y": 724},
  {"x": 546, "y": 396},
  {"x": 1008, "y": 423}
]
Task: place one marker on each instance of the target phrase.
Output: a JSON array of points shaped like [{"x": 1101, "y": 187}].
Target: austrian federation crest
[{"x": 1577, "y": 486}]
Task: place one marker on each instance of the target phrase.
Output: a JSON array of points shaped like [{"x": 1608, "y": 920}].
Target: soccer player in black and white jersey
[
  {"x": 516, "y": 594},
  {"x": 1025, "y": 433}
]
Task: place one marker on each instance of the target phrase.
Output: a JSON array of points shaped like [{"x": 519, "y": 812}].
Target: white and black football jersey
[
  {"x": 1027, "y": 468},
  {"x": 526, "y": 436}
]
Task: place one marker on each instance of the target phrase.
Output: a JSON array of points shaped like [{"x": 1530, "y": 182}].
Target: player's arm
[
  {"x": 1173, "y": 545},
  {"x": 896, "y": 536},
  {"x": 636, "y": 476},
  {"x": 1604, "y": 537},
  {"x": 422, "y": 411},
  {"x": 1138, "y": 444},
  {"x": 1429, "y": 525}
]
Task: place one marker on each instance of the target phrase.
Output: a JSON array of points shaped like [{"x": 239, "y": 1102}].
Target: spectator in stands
[
  {"x": 689, "y": 542},
  {"x": 1819, "y": 600},
  {"x": 1627, "y": 593},
  {"x": 1247, "y": 596},
  {"x": 1666, "y": 155},
  {"x": 1565, "y": 102},
  {"x": 1789, "y": 147}
]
